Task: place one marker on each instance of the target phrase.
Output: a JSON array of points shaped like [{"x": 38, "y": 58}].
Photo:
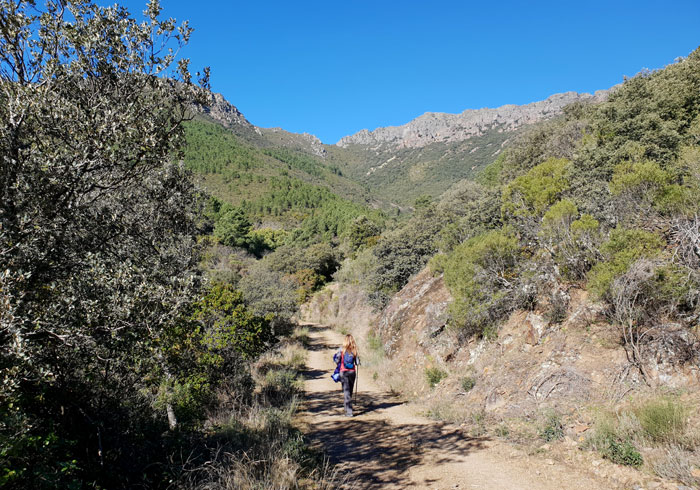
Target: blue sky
[{"x": 332, "y": 67}]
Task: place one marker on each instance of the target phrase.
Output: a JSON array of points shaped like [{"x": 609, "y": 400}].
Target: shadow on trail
[
  {"x": 374, "y": 452},
  {"x": 316, "y": 344},
  {"x": 378, "y": 452},
  {"x": 331, "y": 402}
]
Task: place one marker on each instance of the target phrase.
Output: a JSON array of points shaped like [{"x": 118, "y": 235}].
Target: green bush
[
  {"x": 232, "y": 228},
  {"x": 622, "y": 452},
  {"x": 532, "y": 193},
  {"x": 228, "y": 324},
  {"x": 434, "y": 375},
  {"x": 612, "y": 437},
  {"x": 401, "y": 253},
  {"x": 552, "y": 428},
  {"x": 480, "y": 274},
  {"x": 622, "y": 248},
  {"x": 468, "y": 382}
]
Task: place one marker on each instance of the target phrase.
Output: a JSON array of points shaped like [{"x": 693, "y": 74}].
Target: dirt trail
[{"x": 386, "y": 445}]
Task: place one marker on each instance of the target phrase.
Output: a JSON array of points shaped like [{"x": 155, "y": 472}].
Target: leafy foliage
[
  {"x": 229, "y": 325},
  {"x": 481, "y": 275},
  {"x": 401, "y": 253},
  {"x": 532, "y": 193},
  {"x": 619, "y": 252},
  {"x": 97, "y": 238}
]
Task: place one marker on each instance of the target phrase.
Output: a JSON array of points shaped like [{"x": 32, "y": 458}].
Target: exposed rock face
[
  {"x": 419, "y": 310},
  {"x": 434, "y": 127},
  {"x": 228, "y": 115},
  {"x": 223, "y": 111},
  {"x": 532, "y": 364}
]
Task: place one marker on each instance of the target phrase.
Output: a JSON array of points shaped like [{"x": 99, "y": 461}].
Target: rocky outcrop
[
  {"x": 532, "y": 363},
  {"x": 416, "y": 316},
  {"x": 222, "y": 111},
  {"x": 438, "y": 127}
]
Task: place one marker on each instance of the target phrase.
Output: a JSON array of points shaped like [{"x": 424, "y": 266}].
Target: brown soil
[{"x": 387, "y": 445}]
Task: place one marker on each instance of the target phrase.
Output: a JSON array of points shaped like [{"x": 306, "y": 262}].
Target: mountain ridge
[{"x": 433, "y": 127}]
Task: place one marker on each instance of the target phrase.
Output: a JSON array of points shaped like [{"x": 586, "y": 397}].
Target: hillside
[{"x": 432, "y": 152}]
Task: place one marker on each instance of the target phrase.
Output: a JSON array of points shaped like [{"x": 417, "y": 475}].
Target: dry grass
[{"x": 256, "y": 446}]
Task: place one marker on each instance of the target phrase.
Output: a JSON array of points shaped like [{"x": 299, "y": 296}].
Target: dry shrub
[{"x": 675, "y": 464}]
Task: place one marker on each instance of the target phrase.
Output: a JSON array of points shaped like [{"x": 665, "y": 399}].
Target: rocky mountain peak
[
  {"x": 439, "y": 127},
  {"x": 222, "y": 111}
]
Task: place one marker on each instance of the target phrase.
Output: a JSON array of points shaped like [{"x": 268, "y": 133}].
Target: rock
[
  {"x": 696, "y": 473},
  {"x": 434, "y": 127},
  {"x": 224, "y": 112},
  {"x": 581, "y": 428},
  {"x": 531, "y": 337},
  {"x": 597, "y": 462},
  {"x": 550, "y": 462}
]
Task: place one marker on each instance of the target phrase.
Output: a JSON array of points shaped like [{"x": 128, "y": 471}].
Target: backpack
[{"x": 348, "y": 360}]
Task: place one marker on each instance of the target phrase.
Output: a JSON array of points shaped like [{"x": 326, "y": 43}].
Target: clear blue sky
[{"x": 333, "y": 67}]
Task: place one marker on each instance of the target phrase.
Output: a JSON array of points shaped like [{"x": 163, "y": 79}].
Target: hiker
[{"x": 348, "y": 360}]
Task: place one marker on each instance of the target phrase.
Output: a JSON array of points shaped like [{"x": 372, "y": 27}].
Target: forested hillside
[{"x": 236, "y": 169}]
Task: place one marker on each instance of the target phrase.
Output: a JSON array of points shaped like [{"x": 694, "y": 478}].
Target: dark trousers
[{"x": 347, "y": 380}]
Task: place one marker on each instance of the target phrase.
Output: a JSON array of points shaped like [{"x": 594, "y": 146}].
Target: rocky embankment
[{"x": 532, "y": 364}]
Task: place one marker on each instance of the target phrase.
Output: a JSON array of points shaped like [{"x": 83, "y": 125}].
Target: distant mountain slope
[
  {"x": 236, "y": 170},
  {"x": 439, "y": 127},
  {"x": 435, "y": 150}
]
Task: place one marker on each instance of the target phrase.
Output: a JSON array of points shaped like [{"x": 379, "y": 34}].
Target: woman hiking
[{"x": 349, "y": 360}]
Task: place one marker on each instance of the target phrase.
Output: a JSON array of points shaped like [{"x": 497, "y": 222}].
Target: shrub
[
  {"x": 362, "y": 232},
  {"x": 268, "y": 292},
  {"x": 622, "y": 452},
  {"x": 280, "y": 386},
  {"x": 480, "y": 274},
  {"x": 572, "y": 241},
  {"x": 663, "y": 420},
  {"x": 434, "y": 375},
  {"x": 229, "y": 325},
  {"x": 673, "y": 463},
  {"x": 232, "y": 228},
  {"x": 468, "y": 382},
  {"x": 402, "y": 253},
  {"x": 532, "y": 193},
  {"x": 552, "y": 428},
  {"x": 612, "y": 437},
  {"x": 622, "y": 248},
  {"x": 650, "y": 290}
]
